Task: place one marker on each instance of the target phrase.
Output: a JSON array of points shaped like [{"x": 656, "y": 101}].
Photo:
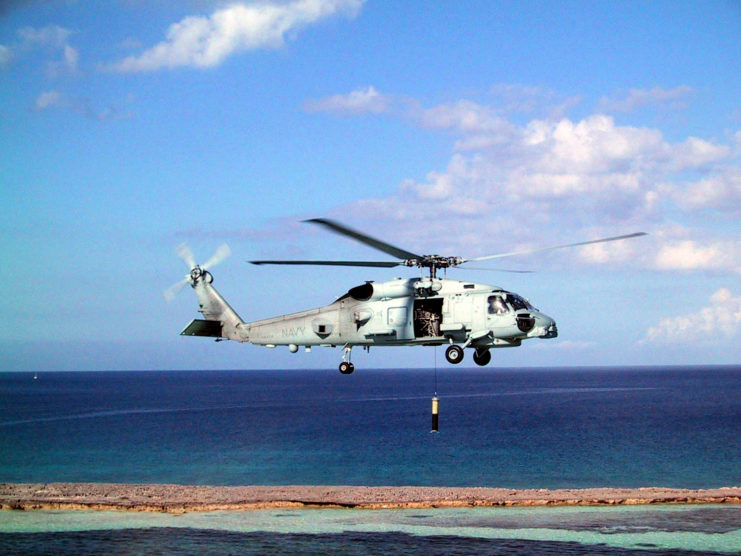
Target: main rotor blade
[
  {"x": 362, "y": 238},
  {"x": 528, "y": 251},
  {"x": 383, "y": 264},
  {"x": 509, "y": 270}
]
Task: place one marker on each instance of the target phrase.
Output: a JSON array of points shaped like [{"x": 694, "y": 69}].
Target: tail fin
[{"x": 221, "y": 321}]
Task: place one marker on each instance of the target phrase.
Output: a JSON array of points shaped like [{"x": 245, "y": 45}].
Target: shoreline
[{"x": 166, "y": 498}]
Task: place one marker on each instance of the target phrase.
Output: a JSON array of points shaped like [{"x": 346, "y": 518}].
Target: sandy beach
[{"x": 185, "y": 498}]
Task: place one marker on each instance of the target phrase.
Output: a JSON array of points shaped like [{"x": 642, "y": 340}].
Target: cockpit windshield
[{"x": 517, "y": 302}]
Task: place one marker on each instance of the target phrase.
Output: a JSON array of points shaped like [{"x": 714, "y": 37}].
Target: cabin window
[{"x": 497, "y": 305}]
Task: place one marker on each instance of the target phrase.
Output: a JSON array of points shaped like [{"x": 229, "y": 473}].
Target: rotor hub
[
  {"x": 433, "y": 262},
  {"x": 437, "y": 261}
]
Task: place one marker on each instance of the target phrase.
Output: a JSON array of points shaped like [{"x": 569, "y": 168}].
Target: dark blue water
[
  {"x": 190, "y": 541},
  {"x": 676, "y": 427}
]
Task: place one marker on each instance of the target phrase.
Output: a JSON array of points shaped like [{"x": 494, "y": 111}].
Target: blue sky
[{"x": 462, "y": 128}]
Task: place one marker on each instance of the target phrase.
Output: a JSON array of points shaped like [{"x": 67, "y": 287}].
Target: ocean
[{"x": 513, "y": 428}]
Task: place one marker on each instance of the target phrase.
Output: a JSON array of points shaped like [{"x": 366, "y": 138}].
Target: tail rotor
[
  {"x": 195, "y": 271},
  {"x": 173, "y": 290},
  {"x": 186, "y": 255},
  {"x": 221, "y": 254}
]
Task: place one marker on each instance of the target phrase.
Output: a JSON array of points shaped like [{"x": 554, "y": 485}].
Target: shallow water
[{"x": 583, "y": 530}]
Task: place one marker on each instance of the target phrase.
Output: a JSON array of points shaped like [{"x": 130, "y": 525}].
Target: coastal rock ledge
[{"x": 193, "y": 498}]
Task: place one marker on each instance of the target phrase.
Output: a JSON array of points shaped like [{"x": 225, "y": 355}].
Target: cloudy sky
[{"x": 459, "y": 128}]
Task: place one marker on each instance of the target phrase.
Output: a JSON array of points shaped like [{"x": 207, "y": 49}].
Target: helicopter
[{"x": 422, "y": 311}]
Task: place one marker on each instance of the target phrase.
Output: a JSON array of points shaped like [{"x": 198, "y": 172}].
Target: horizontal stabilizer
[{"x": 199, "y": 327}]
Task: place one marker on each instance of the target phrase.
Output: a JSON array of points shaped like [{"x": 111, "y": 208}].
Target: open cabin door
[{"x": 428, "y": 315}]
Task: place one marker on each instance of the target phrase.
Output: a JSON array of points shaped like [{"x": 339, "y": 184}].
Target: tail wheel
[
  {"x": 482, "y": 357},
  {"x": 454, "y": 354},
  {"x": 346, "y": 368}
]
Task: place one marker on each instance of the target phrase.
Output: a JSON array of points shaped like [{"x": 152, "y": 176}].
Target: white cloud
[
  {"x": 360, "y": 101},
  {"x": 71, "y": 56},
  {"x": 691, "y": 255},
  {"x": 51, "y": 36},
  {"x": 720, "y": 191},
  {"x": 695, "y": 153},
  {"x": 543, "y": 161},
  {"x": 528, "y": 99},
  {"x": 480, "y": 127},
  {"x": 48, "y": 99},
  {"x": 66, "y": 66},
  {"x": 6, "y": 55},
  {"x": 592, "y": 145},
  {"x": 721, "y": 318},
  {"x": 569, "y": 346},
  {"x": 611, "y": 252},
  {"x": 464, "y": 116},
  {"x": 130, "y": 44},
  {"x": 673, "y": 99},
  {"x": 670, "y": 250},
  {"x": 82, "y": 106},
  {"x": 510, "y": 185},
  {"x": 52, "y": 39},
  {"x": 202, "y": 42}
]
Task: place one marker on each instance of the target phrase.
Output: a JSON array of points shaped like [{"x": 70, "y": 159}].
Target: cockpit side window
[
  {"x": 497, "y": 306},
  {"x": 517, "y": 302}
]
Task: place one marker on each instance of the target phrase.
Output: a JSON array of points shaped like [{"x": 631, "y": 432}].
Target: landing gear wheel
[
  {"x": 454, "y": 354},
  {"x": 346, "y": 368},
  {"x": 482, "y": 357}
]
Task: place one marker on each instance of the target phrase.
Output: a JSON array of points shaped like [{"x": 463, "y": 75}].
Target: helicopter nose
[{"x": 545, "y": 326}]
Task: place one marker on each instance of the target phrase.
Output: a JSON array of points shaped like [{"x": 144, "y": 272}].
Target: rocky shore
[{"x": 184, "y": 498}]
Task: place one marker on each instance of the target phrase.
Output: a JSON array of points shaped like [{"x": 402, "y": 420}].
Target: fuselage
[{"x": 410, "y": 312}]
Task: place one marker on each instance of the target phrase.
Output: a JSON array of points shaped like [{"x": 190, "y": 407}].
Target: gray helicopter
[{"x": 426, "y": 311}]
